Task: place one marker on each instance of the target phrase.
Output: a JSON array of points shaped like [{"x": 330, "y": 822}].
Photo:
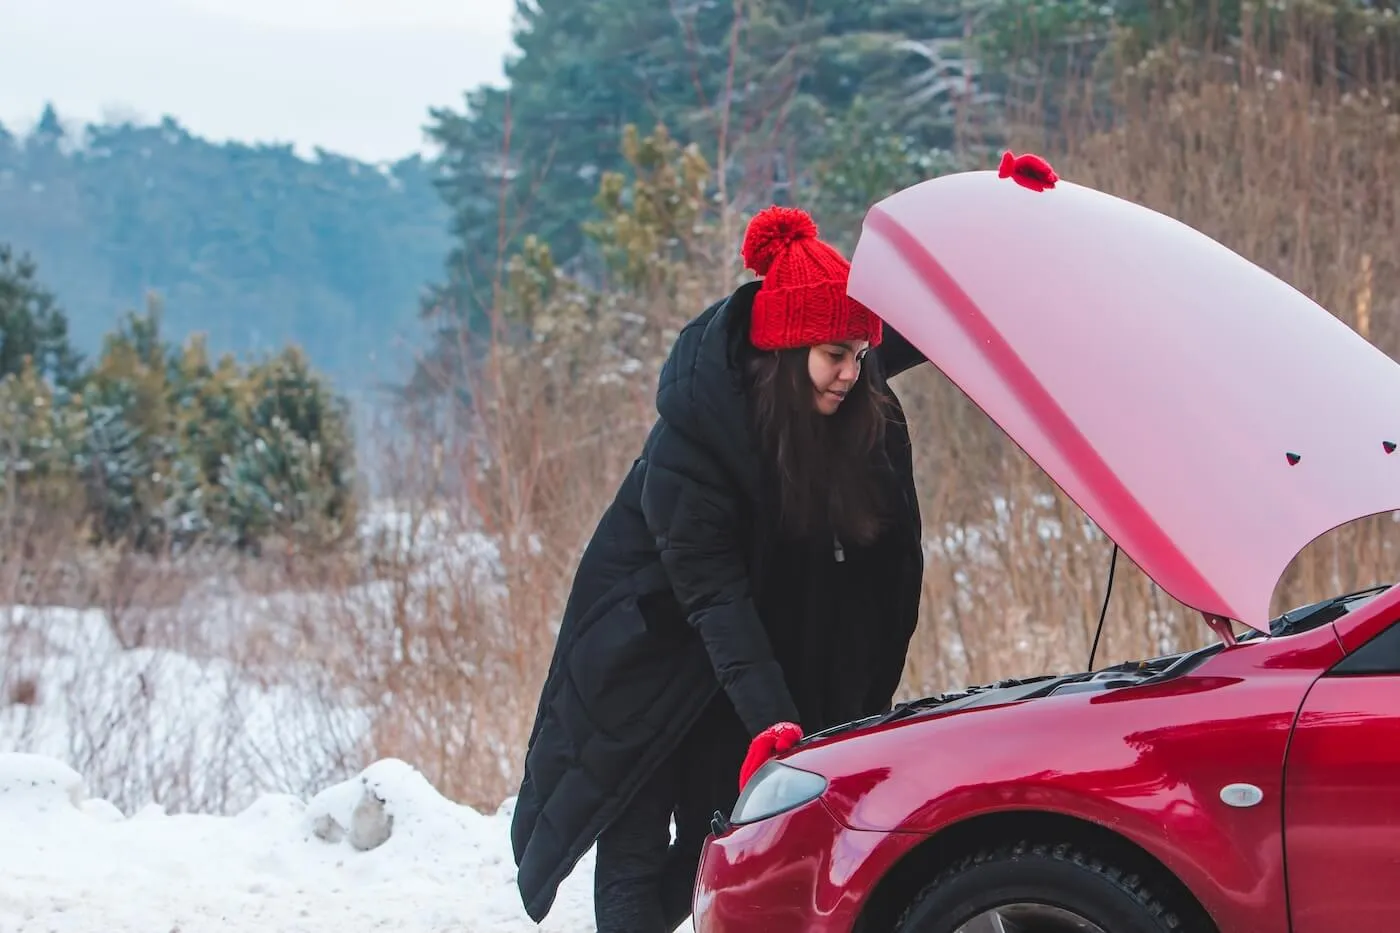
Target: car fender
[{"x": 1148, "y": 763}]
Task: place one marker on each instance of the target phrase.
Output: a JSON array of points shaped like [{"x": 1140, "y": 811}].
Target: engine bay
[
  {"x": 1012, "y": 690},
  {"x": 1117, "y": 677}
]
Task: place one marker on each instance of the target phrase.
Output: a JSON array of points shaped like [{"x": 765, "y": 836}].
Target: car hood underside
[{"x": 1210, "y": 418}]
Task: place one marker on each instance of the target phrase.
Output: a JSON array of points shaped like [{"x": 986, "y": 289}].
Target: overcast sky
[{"x": 353, "y": 76}]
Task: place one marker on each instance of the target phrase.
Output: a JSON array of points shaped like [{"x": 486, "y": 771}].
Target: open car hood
[{"x": 1206, "y": 415}]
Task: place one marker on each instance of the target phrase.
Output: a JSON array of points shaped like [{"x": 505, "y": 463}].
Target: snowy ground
[
  {"x": 72, "y": 864},
  {"x": 246, "y": 768}
]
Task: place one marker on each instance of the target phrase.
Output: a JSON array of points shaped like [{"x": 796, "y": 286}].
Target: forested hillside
[
  {"x": 821, "y": 102},
  {"x": 783, "y": 94},
  {"x": 825, "y": 103},
  {"x": 251, "y": 245}
]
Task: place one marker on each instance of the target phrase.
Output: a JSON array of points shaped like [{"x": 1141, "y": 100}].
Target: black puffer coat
[{"x": 685, "y": 589}]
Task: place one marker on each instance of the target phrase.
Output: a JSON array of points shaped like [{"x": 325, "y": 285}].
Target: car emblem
[{"x": 1241, "y": 795}]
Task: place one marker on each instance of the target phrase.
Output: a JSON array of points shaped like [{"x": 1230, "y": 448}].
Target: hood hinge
[{"x": 1221, "y": 626}]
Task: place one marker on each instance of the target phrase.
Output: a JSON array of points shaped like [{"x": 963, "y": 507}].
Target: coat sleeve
[{"x": 692, "y": 516}]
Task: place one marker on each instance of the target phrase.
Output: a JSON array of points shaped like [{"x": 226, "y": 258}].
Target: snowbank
[{"x": 72, "y": 864}]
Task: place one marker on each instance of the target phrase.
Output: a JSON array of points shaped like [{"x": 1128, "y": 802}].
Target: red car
[{"x": 1212, "y": 421}]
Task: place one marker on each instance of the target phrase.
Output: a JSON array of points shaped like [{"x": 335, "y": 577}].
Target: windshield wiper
[{"x": 1320, "y": 613}]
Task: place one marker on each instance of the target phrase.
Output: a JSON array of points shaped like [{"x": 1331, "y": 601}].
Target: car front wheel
[{"x": 1030, "y": 887}]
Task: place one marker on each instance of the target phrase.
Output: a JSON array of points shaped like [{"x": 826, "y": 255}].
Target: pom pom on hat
[
  {"x": 773, "y": 230},
  {"x": 802, "y": 301}
]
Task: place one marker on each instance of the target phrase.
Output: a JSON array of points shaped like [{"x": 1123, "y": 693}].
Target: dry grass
[{"x": 442, "y": 626}]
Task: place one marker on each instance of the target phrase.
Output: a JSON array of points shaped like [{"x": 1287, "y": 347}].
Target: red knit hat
[{"x": 802, "y": 301}]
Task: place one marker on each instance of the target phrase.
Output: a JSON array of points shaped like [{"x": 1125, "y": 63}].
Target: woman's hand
[{"x": 774, "y": 740}]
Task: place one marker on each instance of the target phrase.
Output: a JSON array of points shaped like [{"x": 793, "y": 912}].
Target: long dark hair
[{"x": 826, "y": 467}]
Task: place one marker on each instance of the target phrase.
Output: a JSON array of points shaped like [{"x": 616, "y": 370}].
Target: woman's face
[{"x": 834, "y": 368}]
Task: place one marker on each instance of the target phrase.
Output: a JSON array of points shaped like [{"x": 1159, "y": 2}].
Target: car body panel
[
  {"x": 1342, "y": 819},
  {"x": 801, "y": 870},
  {"x": 1156, "y": 376},
  {"x": 1366, "y": 621}
]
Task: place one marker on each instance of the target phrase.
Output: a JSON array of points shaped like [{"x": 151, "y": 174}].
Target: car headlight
[{"x": 775, "y": 788}]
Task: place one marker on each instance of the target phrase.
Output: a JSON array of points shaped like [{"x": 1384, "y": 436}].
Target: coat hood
[
  {"x": 700, "y": 392},
  {"x": 1206, "y": 415}
]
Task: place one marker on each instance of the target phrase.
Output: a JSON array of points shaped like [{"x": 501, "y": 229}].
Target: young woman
[{"x": 757, "y": 577}]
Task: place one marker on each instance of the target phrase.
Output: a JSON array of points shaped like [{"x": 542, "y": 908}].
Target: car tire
[{"x": 1060, "y": 875}]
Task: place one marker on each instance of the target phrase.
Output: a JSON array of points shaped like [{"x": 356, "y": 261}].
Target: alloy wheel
[{"x": 1028, "y": 918}]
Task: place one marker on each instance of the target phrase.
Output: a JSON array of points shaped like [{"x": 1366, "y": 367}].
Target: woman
[{"x": 756, "y": 577}]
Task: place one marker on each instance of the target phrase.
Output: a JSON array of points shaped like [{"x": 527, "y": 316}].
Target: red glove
[{"x": 774, "y": 740}]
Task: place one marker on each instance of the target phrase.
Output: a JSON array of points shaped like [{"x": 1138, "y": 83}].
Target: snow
[
  {"x": 198, "y": 730},
  {"x": 74, "y": 864},
  {"x": 175, "y": 787},
  {"x": 149, "y": 723}
]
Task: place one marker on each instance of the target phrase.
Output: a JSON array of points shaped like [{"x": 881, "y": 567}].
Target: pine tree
[
  {"x": 291, "y": 470},
  {"x": 32, "y": 325}
]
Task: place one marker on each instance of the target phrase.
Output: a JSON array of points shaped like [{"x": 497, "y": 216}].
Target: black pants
[{"x": 643, "y": 882}]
